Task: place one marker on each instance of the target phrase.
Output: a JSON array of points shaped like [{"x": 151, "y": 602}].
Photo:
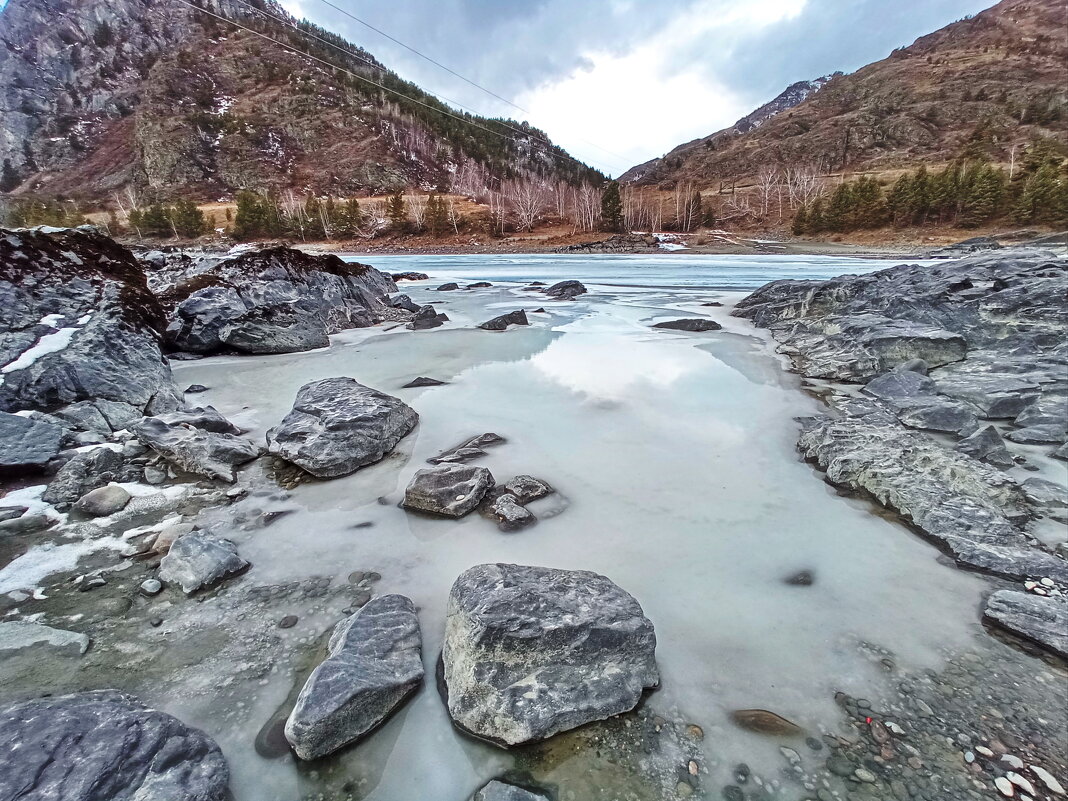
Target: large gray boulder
[
  {"x": 86, "y": 471},
  {"x": 275, "y": 300},
  {"x": 986, "y": 445},
  {"x": 27, "y": 445},
  {"x": 105, "y": 746},
  {"x": 1040, "y": 619},
  {"x": 565, "y": 290},
  {"x": 198, "y": 559},
  {"x": 501, "y": 322},
  {"x": 103, "y": 501},
  {"x": 692, "y": 324},
  {"x": 375, "y": 663},
  {"x": 194, "y": 450},
  {"x": 533, "y": 651},
  {"x": 449, "y": 490},
  {"x": 338, "y": 426}
]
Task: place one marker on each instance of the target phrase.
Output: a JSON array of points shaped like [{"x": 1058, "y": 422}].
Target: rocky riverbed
[{"x": 576, "y": 558}]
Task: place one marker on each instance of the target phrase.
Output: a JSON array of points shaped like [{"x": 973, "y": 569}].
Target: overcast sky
[{"x": 617, "y": 82}]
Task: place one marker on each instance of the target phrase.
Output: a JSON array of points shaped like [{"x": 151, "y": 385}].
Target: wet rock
[
  {"x": 986, "y": 445},
  {"x": 404, "y": 302},
  {"x": 948, "y": 416},
  {"x": 762, "y": 721},
  {"x": 287, "y": 622},
  {"x": 995, "y": 396},
  {"x": 17, "y": 635},
  {"x": 509, "y": 514},
  {"x": 468, "y": 449},
  {"x": 374, "y": 664},
  {"x": 532, "y": 651},
  {"x": 899, "y": 384},
  {"x": 478, "y": 285},
  {"x": 86, "y": 471},
  {"x": 1040, "y": 619},
  {"x": 518, "y": 317},
  {"x": 527, "y": 489},
  {"x": 1045, "y": 494},
  {"x": 450, "y": 490},
  {"x": 497, "y": 790},
  {"x": 168, "y": 534},
  {"x": 697, "y": 324},
  {"x": 338, "y": 426},
  {"x": 1053, "y": 433},
  {"x": 915, "y": 366},
  {"x": 28, "y": 445},
  {"x": 448, "y": 287},
  {"x": 565, "y": 290},
  {"x": 802, "y": 578},
  {"x": 194, "y": 450},
  {"x": 12, "y": 512},
  {"x": 423, "y": 381},
  {"x": 425, "y": 318},
  {"x": 151, "y": 587},
  {"x": 206, "y": 418},
  {"x": 105, "y": 745},
  {"x": 103, "y": 501},
  {"x": 197, "y": 560},
  {"x": 26, "y": 524},
  {"x": 193, "y": 389}
]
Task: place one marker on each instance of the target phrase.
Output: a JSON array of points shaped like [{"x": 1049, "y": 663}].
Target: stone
[
  {"x": 448, "y": 287},
  {"x": 1004, "y": 786},
  {"x": 802, "y": 578},
  {"x": 450, "y": 490},
  {"x": 193, "y": 389},
  {"x": 151, "y": 587},
  {"x": 103, "y": 501},
  {"x": 206, "y": 418},
  {"x": 410, "y": 276},
  {"x": 168, "y": 534},
  {"x": 899, "y": 384},
  {"x": 86, "y": 471},
  {"x": 915, "y": 366},
  {"x": 374, "y": 664},
  {"x": 1050, "y": 433},
  {"x": 425, "y": 318},
  {"x": 197, "y": 560},
  {"x": 762, "y": 721},
  {"x": 566, "y": 290},
  {"x": 948, "y": 416},
  {"x": 404, "y": 302},
  {"x": 986, "y": 445},
  {"x": 28, "y": 444},
  {"x": 17, "y": 635},
  {"x": 509, "y": 514},
  {"x": 423, "y": 381},
  {"x": 478, "y": 285},
  {"x": 105, "y": 745},
  {"x": 194, "y": 450},
  {"x": 1048, "y": 779},
  {"x": 1041, "y": 619},
  {"x": 497, "y": 790},
  {"x": 501, "y": 323},
  {"x": 530, "y": 652},
  {"x": 338, "y": 426},
  {"x": 468, "y": 449},
  {"x": 527, "y": 489},
  {"x": 27, "y": 524},
  {"x": 12, "y": 512},
  {"x": 697, "y": 325}
]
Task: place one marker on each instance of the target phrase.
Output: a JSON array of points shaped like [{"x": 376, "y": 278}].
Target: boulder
[
  {"x": 103, "y": 501},
  {"x": 404, "y": 302},
  {"x": 501, "y": 323},
  {"x": 899, "y": 384},
  {"x": 695, "y": 324},
  {"x": 28, "y": 445},
  {"x": 530, "y": 652},
  {"x": 194, "y": 450},
  {"x": 1041, "y": 619},
  {"x": 986, "y": 445},
  {"x": 448, "y": 287},
  {"x": 528, "y": 488},
  {"x": 16, "y": 635},
  {"x": 449, "y": 490},
  {"x": 410, "y": 276},
  {"x": 206, "y": 418},
  {"x": 423, "y": 381},
  {"x": 426, "y": 318},
  {"x": 479, "y": 285},
  {"x": 762, "y": 721},
  {"x": 338, "y": 426},
  {"x": 468, "y": 449},
  {"x": 939, "y": 415},
  {"x": 105, "y": 746},
  {"x": 374, "y": 664},
  {"x": 509, "y": 514},
  {"x": 497, "y": 790},
  {"x": 1044, "y": 434},
  {"x": 197, "y": 559},
  {"x": 565, "y": 290}
]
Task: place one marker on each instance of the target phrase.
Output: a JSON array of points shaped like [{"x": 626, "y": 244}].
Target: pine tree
[
  {"x": 1041, "y": 198},
  {"x": 899, "y": 201},
  {"x": 983, "y": 199},
  {"x": 817, "y": 221},
  {"x": 397, "y": 213},
  {"x": 352, "y": 217},
  {"x": 9, "y": 177},
  {"x": 250, "y": 220},
  {"x": 154, "y": 222},
  {"x": 840, "y": 212},
  {"x": 187, "y": 219},
  {"x": 611, "y": 208},
  {"x": 437, "y": 215},
  {"x": 800, "y": 221}
]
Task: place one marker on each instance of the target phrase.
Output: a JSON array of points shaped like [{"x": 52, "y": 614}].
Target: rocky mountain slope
[
  {"x": 97, "y": 97},
  {"x": 984, "y": 83}
]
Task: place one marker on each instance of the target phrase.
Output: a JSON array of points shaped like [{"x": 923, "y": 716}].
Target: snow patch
[
  {"x": 45, "y": 346},
  {"x": 42, "y": 561}
]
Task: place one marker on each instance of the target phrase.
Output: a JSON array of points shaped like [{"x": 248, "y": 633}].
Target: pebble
[
  {"x": 840, "y": 766},
  {"x": 791, "y": 755},
  {"x": 982, "y": 749},
  {"x": 1004, "y": 786},
  {"x": 156, "y": 622},
  {"x": 733, "y": 793},
  {"x": 1048, "y": 779},
  {"x": 1047, "y": 582},
  {"x": 1020, "y": 782},
  {"x": 1012, "y": 761},
  {"x": 151, "y": 587},
  {"x": 969, "y": 757},
  {"x": 92, "y": 583},
  {"x": 288, "y": 622},
  {"x": 864, "y": 775},
  {"x": 741, "y": 773},
  {"x": 895, "y": 728},
  {"x": 692, "y": 767}
]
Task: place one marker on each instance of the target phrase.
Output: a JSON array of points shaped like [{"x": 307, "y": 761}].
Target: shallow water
[{"x": 673, "y": 456}]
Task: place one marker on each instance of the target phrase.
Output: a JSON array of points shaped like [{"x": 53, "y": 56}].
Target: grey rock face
[
  {"x": 533, "y": 651},
  {"x": 206, "y": 418},
  {"x": 78, "y": 323},
  {"x": 105, "y": 746},
  {"x": 197, "y": 560},
  {"x": 450, "y": 490},
  {"x": 694, "y": 324},
  {"x": 103, "y": 501},
  {"x": 510, "y": 515},
  {"x": 1042, "y": 620},
  {"x": 986, "y": 445},
  {"x": 566, "y": 290},
  {"x": 528, "y": 488},
  {"x": 374, "y": 664},
  {"x": 27, "y": 445},
  {"x": 949, "y": 416},
  {"x": 338, "y": 426},
  {"x": 899, "y": 384},
  {"x": 1046, "y": 434},
  {"x": 403, "y": 302},
  {"x": 501, "y": 323},
  {"x": 468, "y": 449},
  {"x": 16, "y": 635},
  {"x": 275, "y": 300},
  {"x": 194, "y": 450},
  {"x": 502, "y": 791}
]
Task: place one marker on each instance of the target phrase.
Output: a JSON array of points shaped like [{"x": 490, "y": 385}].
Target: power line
[{"x": 458, "y": 75}]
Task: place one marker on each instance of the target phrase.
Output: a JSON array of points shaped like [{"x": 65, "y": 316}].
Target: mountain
[
  {"x": 985, "y": 83},
  {"x": 165, "y": 99}
]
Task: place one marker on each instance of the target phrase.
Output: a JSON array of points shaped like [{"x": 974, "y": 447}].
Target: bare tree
[
  {"x": 766, "y": 184},
  {"x": 371, "y": 221},
  {"x": 453, "y": 215},
  {"x": 417, "y": 210},
  {"x": 804, "y": 184},
  {"x": 292, "y": 208},
  {"x": 528, "y": 199}
]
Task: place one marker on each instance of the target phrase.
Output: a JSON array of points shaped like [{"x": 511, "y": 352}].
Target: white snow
[
  {"x": 671, "y": 246},
  {"x": 49, "y": 343},
  {"x": 50, "y": 320},
  {"x": 30, "y": 497},
  {"x": 38, "y": 563}
]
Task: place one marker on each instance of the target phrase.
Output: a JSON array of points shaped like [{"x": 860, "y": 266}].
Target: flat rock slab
[
  {"x": 194, "y": 450},
  {"x": 15, "y": 635},
  {"x": 533, "y": 651},
  {"x": 1041, "y": 619},
  {"x": 197, "y": 560},
  {"x": 27, "y": 445},
  {"x": 450, "y": 490},
  {"x": 527, "y": 489},
  {"x": 424, "y": 381},
  {"x": 375, "y": 663},
  {"x": 338, "y": 426},
  {"x": 517, "y": 317},
  {"x": 510, "y": 514},
  {"x": 468, "y": 449},
  {"x": 696, "y": 324},
  {"x": 502, "y": 791},
  {"x": 105, "y": 746}
]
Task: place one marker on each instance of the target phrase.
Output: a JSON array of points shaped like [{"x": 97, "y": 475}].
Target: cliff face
[
  {"x": 990, "y": 81},
  {"x": 100, "y": 95}
]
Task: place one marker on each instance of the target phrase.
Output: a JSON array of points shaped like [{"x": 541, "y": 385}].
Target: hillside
[
  {"x": 986, "y": 83},
  {"x": 156, "y": 99}
]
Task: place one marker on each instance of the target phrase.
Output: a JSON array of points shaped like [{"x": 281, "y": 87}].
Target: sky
[{"x": 617, "y": 82}]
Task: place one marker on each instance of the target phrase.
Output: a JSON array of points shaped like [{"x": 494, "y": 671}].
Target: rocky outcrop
[
  {"x": 105, "y": 744},
  {"x": 28, "y": 444},
  {"x": 276, "y": 300},
  {"x": 20, "y": 635},
  {"x": 79, "y": 328},
  {"x": 196, "y": 450},
  {"x": 618, "y": 243},
  {"x": 501, "y": 323},
  {"x": 375, "y": 663},
  {"x": 533, "y": 651},
  {"x": 425, "y": 318},
  {"x": 1041, "y": 619},
  {"x": 198, "y": 559},
  {"x": 85, "y": 472},
  {"x": 468, "y": 449},
  {"x": 566, "y": 290},
  {"x": 694, "y": 324},
  {"x": 449, "y": 490},
  {"x": 338, "y": 426}
]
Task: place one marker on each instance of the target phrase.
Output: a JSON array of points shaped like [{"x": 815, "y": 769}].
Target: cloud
[{"x": 617, "y": 82}]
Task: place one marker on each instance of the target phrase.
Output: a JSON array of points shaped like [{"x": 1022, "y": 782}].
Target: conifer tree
[
  {"x": 187, "y": 219},
  {"x": 799, "y": 224},
  {"x": 611, "y": 208},
  {"x": 437, "y": 215},
  {"x": 397, "y": 213},
  {"x": 249, "y": 222}
]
